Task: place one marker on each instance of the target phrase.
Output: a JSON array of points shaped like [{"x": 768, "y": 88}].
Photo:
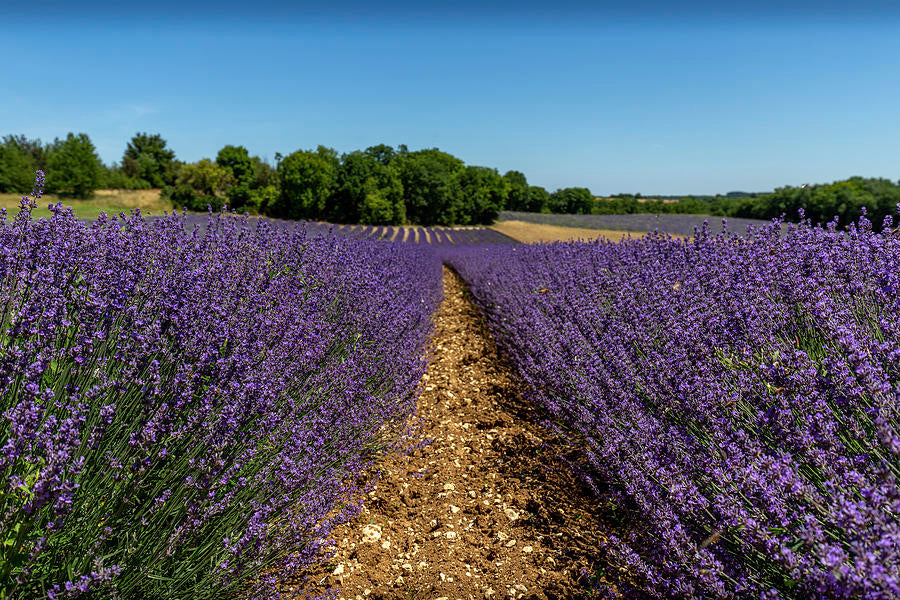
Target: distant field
[
  {"x": 109, "y": 201},
  {"x": 537, "y": 232},
  {"x": 639, "y": 223}
]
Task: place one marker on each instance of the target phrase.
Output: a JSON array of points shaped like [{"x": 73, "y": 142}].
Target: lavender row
[
  {"x": 184, "y": 412},
  {"x": 740, "y": 395},
  {"x": 676, "y": 224},
  {"x": 431, "y": 236}
]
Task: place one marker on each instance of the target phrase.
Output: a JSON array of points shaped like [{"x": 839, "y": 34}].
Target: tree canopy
[
  {"x": 147, "y": 159},
  {"x": 430, "y": 185},
  {"x": 20, "y": 157},
  {"x": 307, "y": 181},
  {"x": 73, "y": 167},
  {"x": 382, "y": 184},
  {"x": 573, "y": 200}
]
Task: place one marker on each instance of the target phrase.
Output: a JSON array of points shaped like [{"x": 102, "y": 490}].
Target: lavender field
[
  {"x": 738, "y": 395},
  {"x": 676, "y": 224},
  {"x": 183, "y": 412},
  {"x": 188, "y": 412}
]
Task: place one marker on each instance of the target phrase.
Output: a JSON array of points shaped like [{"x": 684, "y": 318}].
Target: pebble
[{"x": 371, "y": 533}]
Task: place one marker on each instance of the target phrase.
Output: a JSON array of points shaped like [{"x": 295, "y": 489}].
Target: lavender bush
[
  {"x": 739, "y": 393},
  {"x": 184, "y": 411}
]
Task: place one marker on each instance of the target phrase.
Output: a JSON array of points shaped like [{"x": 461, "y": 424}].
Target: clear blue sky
[{"x": 645, "y": 98}]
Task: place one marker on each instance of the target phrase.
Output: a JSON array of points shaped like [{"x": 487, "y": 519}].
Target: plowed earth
[{"x": 486, "y": 506}]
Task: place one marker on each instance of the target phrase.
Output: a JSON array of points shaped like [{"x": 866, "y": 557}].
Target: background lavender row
[
  {"x": 738, "y": 395},
  {"x": 184, "y": 412},
  {"x": 432, "y": 236},
  {"x": 676, "y": 224}
]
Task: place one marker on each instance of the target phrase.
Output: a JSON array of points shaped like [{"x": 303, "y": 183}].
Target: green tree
[
  {"x": 350, "y": 186},
  {"x": 262, "y": 199},
  {"x": 236, "y": 160},
  {"x": 200, "y": 185},
  {"x": 382, "y": 153},
  {"x": 518, "y": 198},
  {"x": 74, "y": 169},
  {"x": 538, "y": 199},
  {"x": 430, "y": 185},
  {"x": 383, "y": 201},
  {"x": 263, "y": 173},
  {"x": 306, "y": 180},
  {"x": 147, "y": 157},
  {"x": 572, "y": 200},
  {"x": 367, "y": 190},
  {"x": 114, "y": 178},
  {"x": 481, "y": 196},
  {"x": 20, "y": 157}
]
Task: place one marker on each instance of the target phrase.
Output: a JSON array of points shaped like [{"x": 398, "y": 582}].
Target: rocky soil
[{"x": 484, "y": 507}]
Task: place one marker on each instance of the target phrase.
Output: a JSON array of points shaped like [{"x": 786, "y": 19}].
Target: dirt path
[{"x": 486, "y": 510}]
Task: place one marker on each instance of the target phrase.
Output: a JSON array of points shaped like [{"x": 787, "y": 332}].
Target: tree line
[
  {"x": 378, "y": 185},
  {"x": 387, "y": 185},
  {"x": 843, "y": 200}
]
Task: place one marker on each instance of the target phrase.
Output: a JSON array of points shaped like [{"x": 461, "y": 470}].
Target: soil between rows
[{"x": 484, "y": 507}]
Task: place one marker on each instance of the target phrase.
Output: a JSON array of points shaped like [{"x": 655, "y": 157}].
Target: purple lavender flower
[
  {"x": 167, "y": 387},
  {"x": 739, "y": 394}
]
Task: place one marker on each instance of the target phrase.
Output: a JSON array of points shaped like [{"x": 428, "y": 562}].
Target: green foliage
[
  {"x": 482, "y": 195},
  {"x": 239, "y": 196},
  {"x": 538, "y": 199},
  {"x": 307, "y": 180},
  {"x": 19, "y": 159},
  {"x": 382, "y": 205},
  {"x": 350, "y": 186},
  {"x": 518, "y": 197},
  {"x": 74, "y": 169},
  {"x": 206, "y": 177},
  {"x": 820, "y": 202},
  {"x": 262, "y": 199},
  {"x": 430, "y": 185},
  {"x": 200, "y": 185},
  {"x": 263, "y": 174},
  {"x": 823, "y": 202},
  {"x": 382, "y": 153},
  {"x": 378, "y": 185},
  {"x": 237, "y": 161},
  {"x": 147, "y": 158},
  {"x": 574, "y": 200},
  {"x": 114, "y": 178},
  {"x": 368, "y": 191}
]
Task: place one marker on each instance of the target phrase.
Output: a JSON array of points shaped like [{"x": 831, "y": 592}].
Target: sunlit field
[{"x": 108, "y": 201}]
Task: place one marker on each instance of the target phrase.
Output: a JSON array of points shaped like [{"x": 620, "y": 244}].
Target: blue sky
[{"x": 652, "y": 99}]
